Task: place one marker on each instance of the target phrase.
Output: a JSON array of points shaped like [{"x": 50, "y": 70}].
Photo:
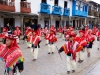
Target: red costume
[{"x": 17, "y": 32}]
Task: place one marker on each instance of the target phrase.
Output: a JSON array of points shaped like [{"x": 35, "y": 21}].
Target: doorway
[
  {"x": 46, "y": 22},
  {"x": 67, "y": 24},
  {"x": 11, "y": 22},
  {"x": 43, "y": 1},
  {"x": 56, "y": 2},
  {"x": 73, "y": 23},
  {"x": 57, "y": 24}
]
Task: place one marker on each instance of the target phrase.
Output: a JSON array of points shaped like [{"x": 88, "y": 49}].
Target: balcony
[
  {"x": 44, "y": 8},
  {"x": 96, "y": 13},
  {"x": 56, "y": 10},
  {"x": 7, "y": 6},
  {"x": 91, "y": 12},
  {"x": 25, "y": 7},
  {"x": 80, "y": 13},
  {"x": 66, "y": 12}
]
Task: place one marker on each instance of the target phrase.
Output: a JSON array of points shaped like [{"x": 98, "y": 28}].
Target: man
[
  {"x": 34, "y": 40},
  {"x": 98, "y": 38},
  {"x": 90, "y": 39},
  {"x": 82, "y": 41},
  {"x": 60, "y": 32},
  {"x": 5, "y": 33},
  {"x": 9, "y": 29},
  {"x": 70, "y": 50},
  {"x": 32, "y": 25},
  {"x": 17, "y": 32},
  {"x": 11, "y": 54},
  {"x": 52, "y": 39}
]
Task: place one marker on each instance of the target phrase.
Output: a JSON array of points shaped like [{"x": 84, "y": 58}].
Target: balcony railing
[
  {"x": 25, "y": 7},
  {"x": 56, "y": 10},
  {"x": 96, "y": 13},
  {"x": 91, "y": 12},
  {"x": 66, "y": 12},
  {"x": 45, "y": 8},
  {"x": 80, "y": 13},
  {"x": 7, "y": 6}
]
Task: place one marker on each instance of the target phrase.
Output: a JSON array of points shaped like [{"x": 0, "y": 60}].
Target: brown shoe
[
  {"x": 52, "y": 52},
  {"x": 48, "y": 52},
  {"x": 68, "y": 72},
  {"x": 73, "y": 71},
  {"x": 34, "y": 59},
  {"x": 88, "y": 55}
]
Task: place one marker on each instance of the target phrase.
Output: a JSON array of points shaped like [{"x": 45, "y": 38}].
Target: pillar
[
  {"x": 51, "y": 18},
  {"x": 39, "y": 17},
  {"x": 61, "y": 19},
  {"x": 21, "y": 24}
]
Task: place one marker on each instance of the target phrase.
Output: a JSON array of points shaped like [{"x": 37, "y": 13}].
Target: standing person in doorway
[
  {"x": 47, "y": 25},
  {"x": 9, "y": 28}
]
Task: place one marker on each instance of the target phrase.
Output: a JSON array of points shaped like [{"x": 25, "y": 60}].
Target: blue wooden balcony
[
  {"x": 80, "y": 13},
  {"x": 56, "y": 10},
  {"x": 66, "y": 12},
  {"x": 44, "y": 8}
]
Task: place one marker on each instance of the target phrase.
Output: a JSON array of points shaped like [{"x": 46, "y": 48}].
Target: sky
[{"x": 97, "y": 1}]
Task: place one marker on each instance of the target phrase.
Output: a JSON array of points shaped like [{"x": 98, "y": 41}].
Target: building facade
[{"x": 59, "y": 13}]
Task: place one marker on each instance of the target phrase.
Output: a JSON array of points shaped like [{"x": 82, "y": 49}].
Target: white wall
[
  {"x": 17, "y": 5},
  {"x": 70, "y": 6},
  {"x": 35, "y": 6},
  {"x": 17, "y": 21}
]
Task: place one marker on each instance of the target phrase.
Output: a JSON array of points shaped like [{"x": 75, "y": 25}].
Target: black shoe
[
  {"x": 73, "y": 71},
  {"x": 68, "y": 72},
  {"x": 52, "y": 52},
  {"x": 49, "y": 53},
  {"x": 98, "y": 48},
  {"x": 34, "y": 59}
]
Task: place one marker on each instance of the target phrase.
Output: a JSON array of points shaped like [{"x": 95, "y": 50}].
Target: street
[{"x": 52, "y": 64}]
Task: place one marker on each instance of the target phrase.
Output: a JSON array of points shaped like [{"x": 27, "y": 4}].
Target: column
[
  {"x": 21, "y": 24},
  {"x": 61, "y": 18},
  {"x": 51, "y": 18},
  {"x": 39, "y": 17}
]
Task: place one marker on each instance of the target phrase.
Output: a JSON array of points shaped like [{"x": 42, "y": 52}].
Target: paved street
[{"x": 52, "y": 64}]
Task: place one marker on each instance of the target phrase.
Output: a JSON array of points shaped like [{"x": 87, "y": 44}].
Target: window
[
  {"x": 65, "y": 4},
  {"x": 23, "y": 0},
  {"x": 56, "y": 2},
  {"x": 86, "y": 8},
  {"x": 43, "y": 1}
]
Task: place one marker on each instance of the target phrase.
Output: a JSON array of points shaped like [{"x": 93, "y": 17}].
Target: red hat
[
  {"x": 67, "y": 36},
  {"x": 72, "y": 35},
  {"x": 11, "y": 37},
  {"x": 81, "y": 31},
  {"x": 17, "y": 26},
  {"x": 5, "y": 29}
]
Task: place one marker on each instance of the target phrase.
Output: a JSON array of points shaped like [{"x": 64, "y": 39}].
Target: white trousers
[
  {"x": 89, "y": 50},
  {"x": 47, "y": 41},
  {"x": 80, "y": 55},
  {"x": 51, "y": 47},
  {"x": 18, "y": 73},
  {"x": 60, "y": 34},
  {"x": 29, "y": 44},
  {"x": 71, "y": 64},
  {"x": 17, "y": 40},
  {"x": 35, "y": 53},
  {"x": 98, "y": 44},
  {"x": 63, "y": 36}
]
